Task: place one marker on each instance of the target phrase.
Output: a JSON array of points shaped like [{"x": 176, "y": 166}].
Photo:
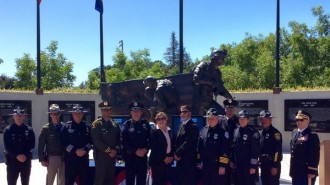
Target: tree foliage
[{"x": 56, "y": 70}]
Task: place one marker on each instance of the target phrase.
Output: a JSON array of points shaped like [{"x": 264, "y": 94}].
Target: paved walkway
[{"x": 38, "y": 173}]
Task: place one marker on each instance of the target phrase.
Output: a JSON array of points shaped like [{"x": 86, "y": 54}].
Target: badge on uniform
[
  {"x": 277, "y": 136},
  {"x": 131, "y": 129},
  {"x": 215, "y": 136},
  {"x": 245, "y": 136},
  {"x": 303, "y": 138},
  {"x": 144, "y": 126},
  {"x": 227, "y": 135},
  {"x": 71, "y": 131},
  {"x": 267, "y": 136}
]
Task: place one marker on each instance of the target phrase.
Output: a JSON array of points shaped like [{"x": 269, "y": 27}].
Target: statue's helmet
[
  {"x": 150, "y": 82},
  {"x": 215, "y": 54}
]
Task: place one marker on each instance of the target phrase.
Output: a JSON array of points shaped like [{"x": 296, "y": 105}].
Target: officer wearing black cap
[
  {"x": 19, "y": 141},
  {"x": 271, "y": 150},
  {"x": 208, "y": 80},
  {"x": 245, "y": 151},
  {"x": 50, "y": 150},
  {"x": 106, "y": 139},
  {"x": 213, "y": 147},
  {"x": 232, "y": 123},
  {"x": 77, "y": 141},
  {"x": 305, "y": 151},
  {"x": 136, "y": 144}
]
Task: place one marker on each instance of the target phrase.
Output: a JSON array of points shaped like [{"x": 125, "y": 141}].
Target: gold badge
[{"x": 277, "y": 136}]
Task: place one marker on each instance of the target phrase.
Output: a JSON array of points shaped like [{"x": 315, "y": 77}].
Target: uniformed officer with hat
[
  {"x": 245, "y": 151},
  {"x": 19, "y": 141},
  {"x": 305, "y": 151},
  {"x": 136, "y": 144},
  {"x": 50, "y": 150},
  {"x": 271, "y": 150},
  {"x": 213, "y": 148},
  {"x": 76, "y": 140},
  {"x": 106, "y": 139},
  {"x": 232, "y": 123}
]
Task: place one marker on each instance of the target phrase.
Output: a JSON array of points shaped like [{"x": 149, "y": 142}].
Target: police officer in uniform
[
  {"x": 19, "y": 141},
  {"x": 305, "y": 151},
  {"x": 213, "y": 148},
  {"x": 232, "y": 123},
  {"x": 50, "y": 150},
  {"x": 136, "y": 144},
  {"x": 245, "y": 151},
  {"x": 271, "y": 150},
  {"x": 106, "y": 139},
  {"x": 76, "y": 139}
]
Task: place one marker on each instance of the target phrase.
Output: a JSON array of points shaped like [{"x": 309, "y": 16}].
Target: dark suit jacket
[
  {"x": 305, "y": 153},
  {"x": 186, "y": 142},
  {"x": 159, "y": 147}
]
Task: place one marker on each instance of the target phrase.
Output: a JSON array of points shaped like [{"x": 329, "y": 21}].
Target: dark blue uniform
[
  {"x": 18, "y": 140},
  {"x": 246, "y": 152},
  {"x": 232, "y": 124},
  {"x": 270, "y": 155},
  {"x": 305, "y": 155},
  {"x": 76, "y": 136},
  {"x": 135, "y": 135},
  {"x": 213, "y": 148}
]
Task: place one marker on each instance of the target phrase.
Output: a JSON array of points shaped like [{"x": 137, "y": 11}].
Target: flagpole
[
  {"x": 39, "y": 90},
  {"x": 181, "y": 36},
  {"x": 101, "y": 49},
  {"x": 277, "y": 89}
]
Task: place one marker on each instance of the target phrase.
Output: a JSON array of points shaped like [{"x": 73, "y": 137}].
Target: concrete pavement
[{"x": 38, "y": 173}]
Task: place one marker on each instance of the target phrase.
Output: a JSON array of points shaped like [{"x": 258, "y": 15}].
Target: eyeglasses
[
  {"x": 300, "y": 120},
  {"x": 160, "y": 119},
  {"x": 185, "y": 111}
]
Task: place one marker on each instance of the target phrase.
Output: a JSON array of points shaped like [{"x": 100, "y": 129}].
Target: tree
[
  {"x": 6, "y": 82},
  {"x": 56, "y": 70},
  {"x": 172, "y": 57}
]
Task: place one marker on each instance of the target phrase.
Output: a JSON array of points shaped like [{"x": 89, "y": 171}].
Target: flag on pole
[
  {"x": 98, "y": 6},
  {"x": 39, "y": 1}
]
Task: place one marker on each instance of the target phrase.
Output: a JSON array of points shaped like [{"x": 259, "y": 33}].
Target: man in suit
[
  {"x": 305, "y": 151},
  {"x": 185, "y": 148}
]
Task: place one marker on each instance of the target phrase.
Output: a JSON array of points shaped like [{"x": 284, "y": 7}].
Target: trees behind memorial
[
  {"x": 56, "y": 70},
  {"x": 305, "y": 59}
]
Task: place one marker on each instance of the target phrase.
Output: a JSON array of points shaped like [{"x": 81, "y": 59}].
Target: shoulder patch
[{"x": 277, "y": 136}]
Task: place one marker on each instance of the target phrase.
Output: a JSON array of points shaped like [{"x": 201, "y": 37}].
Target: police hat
[
  {"x": 54, "y": 108},
  {"x": 230, "y": 103},
  {"x": 18, "y": 111},
  {"x": 77, "y": 108},
  {"x": 135, "y": 106},
  {"x": 265, "y": 114},
  {"x": 300, "y": 114},
  {"x": 104, "y": 105},
  {"x": 212, "y": 112},
  {"x": 243, "y": 114}
]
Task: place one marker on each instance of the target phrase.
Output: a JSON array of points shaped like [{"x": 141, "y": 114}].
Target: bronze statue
[{"x": 208, "y": 83}]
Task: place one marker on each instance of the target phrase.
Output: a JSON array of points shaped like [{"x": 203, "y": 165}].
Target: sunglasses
[
  {"x": 183, "y": 112},
  {"x": 160, "y": 119},
  {"x": 300, "y": 120}
]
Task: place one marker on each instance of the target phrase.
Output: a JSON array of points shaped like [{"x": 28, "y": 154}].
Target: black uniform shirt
[
  {"x": 271, "y": 140},
  {"x": 214, "y": 145},
  {"x": 135, "y": 135},
  {"x": 76, "y": 136},
  {"x": 247, "y": 146},
  {"x": 19, "y": 140}
]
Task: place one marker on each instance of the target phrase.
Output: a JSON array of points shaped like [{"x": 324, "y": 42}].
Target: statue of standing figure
[{"x": 208, "y": 83}]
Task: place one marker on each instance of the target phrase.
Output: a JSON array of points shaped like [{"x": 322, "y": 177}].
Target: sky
[{"x": 140, "y": 24}]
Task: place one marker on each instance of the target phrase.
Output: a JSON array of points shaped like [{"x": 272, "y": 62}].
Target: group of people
[{"x": 227, "y": 150}]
